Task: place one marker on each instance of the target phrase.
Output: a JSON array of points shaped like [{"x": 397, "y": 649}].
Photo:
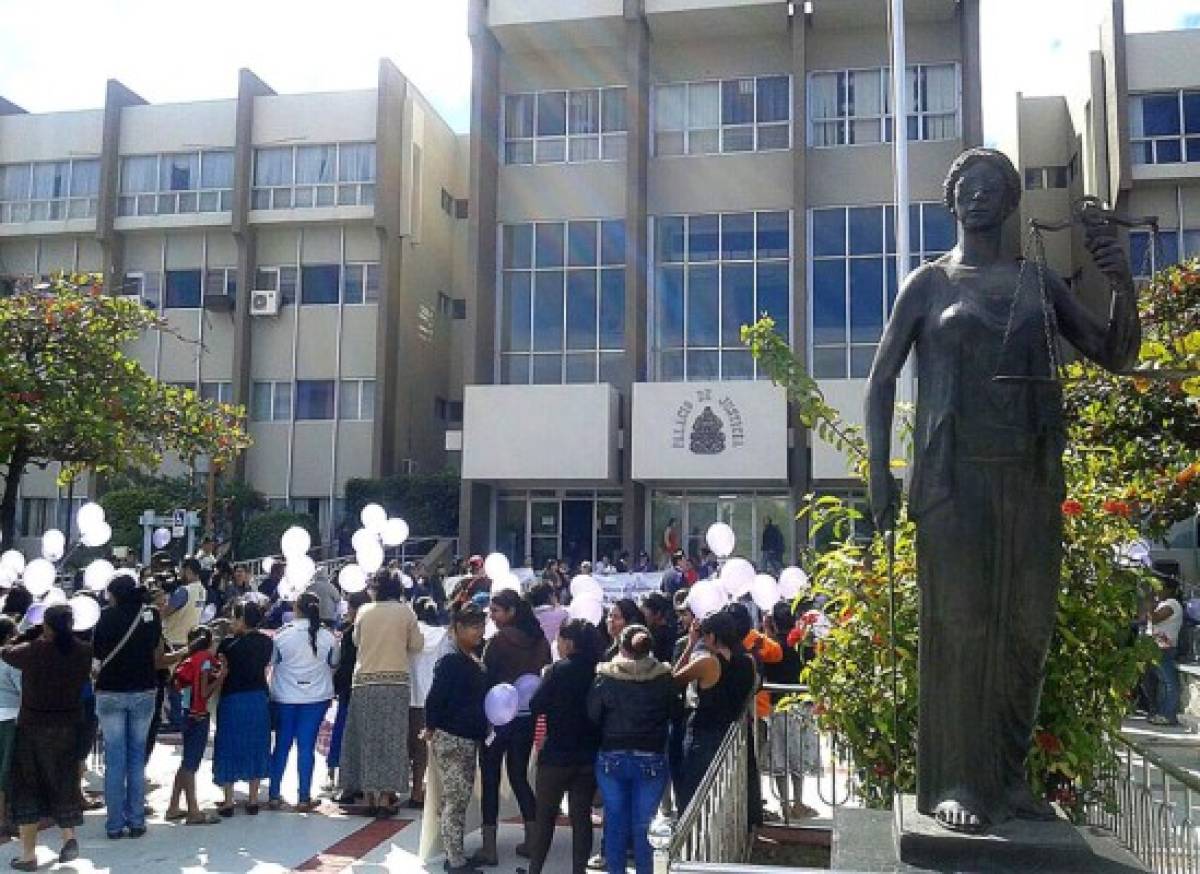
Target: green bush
[
  {"x": 427, "y": 502},
  {"x": 261, "y": 533}
]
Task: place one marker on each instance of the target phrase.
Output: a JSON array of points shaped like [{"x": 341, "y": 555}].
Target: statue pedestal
[{"x": 907, "y": 841}]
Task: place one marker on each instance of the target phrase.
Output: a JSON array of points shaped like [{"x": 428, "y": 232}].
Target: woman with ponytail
[
  {"x": 304, "y": 657},
  {"x": 44, "y": 781}
]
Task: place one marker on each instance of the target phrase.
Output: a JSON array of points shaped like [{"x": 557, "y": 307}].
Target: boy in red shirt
[{"x": 198, "y": 677}]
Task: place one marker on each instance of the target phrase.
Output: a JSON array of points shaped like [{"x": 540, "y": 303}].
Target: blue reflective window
[
  {"x": 1168, "y": 151},
  {"x": 548, "y": 311},
  {"x": 702, "y": 366},
  {"x": 612, "y": 242},
  {"x": 737, "y": 364},
  {"x": 703, "y": 295},
  {"x": 866, "y": 230},
  {"x": 866, "y": 299},
  {"x": 773, "y": 297},
  {"x": 518, "y": 246},
  {"x": 581, "y": 309},
  {"x": 183, "y": 289},
  {"x": 940, "y": 230},
  {"x": 1191, "y": 112},
  {"x": 829, "y": 232},
  {"x": 670, "y": 366},
  {"x": 314, "y": 399},
  {"x": 737, "y": 236},
  {"x": 319, "y": 283},
  {"x": 612, "y": 308},
  {"x": 774, "y": 235},
  {"x": 704, "y": 237},
  {"x": 516, "y": 311},
  {"x": 548, "y": 249},
  {"x": 737, "y": 301},
  {"x": 669, "y": 320},
  {"x": 671, "y": 241},
  {"x": 737, "y": 101},
  {"x": 581, "y": 244},
  {"x": 1160, "y": 114},
  {"x": 829, "y": 302}
]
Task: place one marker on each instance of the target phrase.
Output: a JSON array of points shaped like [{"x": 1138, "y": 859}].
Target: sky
[{"x": 1033, "y": 46}]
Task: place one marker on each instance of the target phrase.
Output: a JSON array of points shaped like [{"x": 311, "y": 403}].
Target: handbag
[{"x": 98, "y": 665}]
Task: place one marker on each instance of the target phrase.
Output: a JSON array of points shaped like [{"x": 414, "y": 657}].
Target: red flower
[
  {"x": 846, "y": 615},
  {"x": 819, "y": 708},
  {"x": 1072, "y": 507},
  {"x": 795, "y": 636},
  {"x": 877, "y": 639},
  {"x": 1117, "y": 508},
  {"x": 1188, "y": 474},
  {"x": 1048, "y": 743},
  {"x": 881, "y": 769}
]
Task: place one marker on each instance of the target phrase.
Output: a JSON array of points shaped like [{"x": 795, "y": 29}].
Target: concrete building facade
[
  {"x": 301, "y": 248},
  {"x": 645, "y": 177}
]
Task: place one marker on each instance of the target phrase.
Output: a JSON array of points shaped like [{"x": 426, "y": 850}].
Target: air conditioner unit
[{"x": 264, "y": 302}]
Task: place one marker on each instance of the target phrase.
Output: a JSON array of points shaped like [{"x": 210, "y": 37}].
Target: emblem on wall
[{"x": 717, "y": 426}]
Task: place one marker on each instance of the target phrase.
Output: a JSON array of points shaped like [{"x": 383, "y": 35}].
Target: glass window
[
  {"x": 737, "y": 236},
  {"x": 314, "y": 164},
  {"x": 517, "y": 311},
  {"x": 14, "y": 182},
  {"x": 581, "y": 244},
  {"x": 314, "y": 399},
  {"x": 612, "y": 242},
  {"x": 273, "y": 166},
  {"x": 179, "y": 172},
  {"x": 612, "y": 308},
  {"x": 669, "y": 319},
  {"x": 349, "y": 396},
  {"x": 774, "y": 295},
  {"x": 139, "y": 174},
  {"x": 613, "y": 108},
  {"x": 548, "y": 311},
  {"x": 552, "y": 113},
  {"x": 703, "y": 298},
  {"x": 829, "y": 232},
  {"x": 581, "y": 309},
  {"x": 829, "y": 302},
  {"x": 183, "y": 289},
  {"x": 699, "y": 118},
  {"x": 216, "y": 169},
  {"x": 518, "y": 246},
  {"x": 774, "y": 96},
  {"x": 737, "y": 101},
  {"x": 85, "y": 178},
  {"x": 549, "y": 245},
  {"x": 1159, "y": 115},
  {"x": 737, "y": 301},
  {"x": 356, "y": 162},
  {"x": 319, "y": 283},
  {"x": 704, "y": 237},
  {"x": 854, "y": 106},
  {"x": 261, "y": 401}
]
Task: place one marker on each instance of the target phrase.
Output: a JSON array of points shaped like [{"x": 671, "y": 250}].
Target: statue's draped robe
[{"x": 986, "y": 494}]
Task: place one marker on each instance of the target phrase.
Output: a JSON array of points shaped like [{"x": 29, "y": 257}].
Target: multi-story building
[
  {"x": 301, "y": 249},
  {"x": 646, "y": 177}
]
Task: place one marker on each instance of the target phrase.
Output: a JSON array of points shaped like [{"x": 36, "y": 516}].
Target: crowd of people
[{"x": 625, "y": 715}]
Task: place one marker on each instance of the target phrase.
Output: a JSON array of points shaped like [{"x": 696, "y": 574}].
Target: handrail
[{"x": 1191, "y": 781}]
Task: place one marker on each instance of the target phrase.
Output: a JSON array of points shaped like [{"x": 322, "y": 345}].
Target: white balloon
[
  {"x": 508, "y": 581},
  {"x": 792, "y": 581},
  {"x": 54, "y": 542},
  {"x": 489, "y": 629},
  {"x": 8, "y": 576},
  {"x": 54, "y": 597},
  {"x": 765, "y": 591},
  {"x": 161, "y": 537},
  {"x": 496, "y": 566},
  {"x": 364, "y": 538},
  {"x": 88, "y": 516},
  {"x": 15, "y": 560},
  {"x": 706, "y": 596},
  {"x": 588, "y": 608},
  {"x": 39, "y": 577},
  {"x": 300, "y": 571},
  {"x": 288, "y": 590},
  {"x": 370, "y": 559},
  {"x": 98, "y": 575},
  {"x": 373, "y": 517},
  {"x": 394, "y": 532},
  {"x": 720, "y": 539},
  {"x": 97, "y": 535},
  {"x": 35, "y": 614},
  {"x": 585, "y": 585},
  {"x": 267, "y": 564},
  {"x": 295, "y": 543},
  {"x": 86, "y": 612},
  {"x": 406, "y": 581},
  {"x": 737, "y": 575},
  {"x": 352, "y": 578}
]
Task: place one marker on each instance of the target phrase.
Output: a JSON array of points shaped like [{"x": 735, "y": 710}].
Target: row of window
[
  {"x": 177, "y": 182},
  {"x": 296, "y": 177},
  {"x": 854, "y": 107},
  {"x": 313, "y": 283},
  {"x": 553, "y": 127},
  {"x": 448, "y": 411},
  {"x": 1147, "y": 256},
  {"x": 49, "y": 190},
  {"x": 1164, "y": 127},
  {"x": 312, "y": 400},
  {"x": 1054, "y": 176}
]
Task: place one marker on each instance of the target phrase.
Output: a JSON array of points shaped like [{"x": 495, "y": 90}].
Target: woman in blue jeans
[
  {"x": 305, "y": 656},
  {"x": 632, "y": 703},
  {"x": 128, "y": 643}
]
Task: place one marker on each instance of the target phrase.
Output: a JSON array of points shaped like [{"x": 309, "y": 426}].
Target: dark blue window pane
[
  {"x": 737, "y": 101},
  {"x": 829, "y": 363},
  {"x": 581, "y": 367},
  {"x": 516, "y": 312},
  {"x": 829, "y": 301},
  {"x": 829, "y": 232},
  {"x": 669, "y": 320},
  {"x": 612, "y": 242},
  {"x": 514, "y": 369},
  {"x": 548, "y": 251},
  {"x": 866, "y": 230},
  {"x": 703, "y": 293},
  {"x": 773, "y": 104},
  {"x": 314, "y": 399},
  {"x": 940, "y": 231},
  {"x": 1193, "y": 149},
  {"x": 183, "y": 289},
  {"x": 773, "y": 297},
  {"x": 552, "y": 113},
  {"x": 892, "y": 285},
  {"x": 548, "y": 311},
  {"x": 670, "y": 366},
  {"x": 612, "y": 309},
  {"x": 737, "y": 236},
  {"x": 703, "y": 237},
  {"x": 1160, "y": 114},
  {"x": 703, "y": 366},
  {"x": 319, "y": 283},
  {"x": 547, "y": 370},
  {"x": 1139, "y": 253},
  {"x": 518, "y": 246},
  {"x": 737, "y": 301},
  {"x": 581, "y": 309},
  {"x": 1168, "y": 152},
  {"x": 581, "y": 244},
  {"x": 670, "y": 238},
  {"x": 1191, "y": 112},
  {"x": 737, "y": 365},
  {"x": 774, "y": 235},
  {"x": 866, "y": 299},
  {"x": 889, "y": 227},
  {"x": 914, "y": 227},
  {"x": 861, "y": 359},
  {"x": 1168, "y": 253}
]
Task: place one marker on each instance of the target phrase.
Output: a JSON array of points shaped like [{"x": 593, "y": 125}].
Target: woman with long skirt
[{"x": 242, "y": 749}]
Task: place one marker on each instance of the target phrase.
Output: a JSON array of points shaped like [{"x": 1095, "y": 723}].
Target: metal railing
[
  {"x": 1150, "y": 805},
  {"x": 417, "y": 548}
]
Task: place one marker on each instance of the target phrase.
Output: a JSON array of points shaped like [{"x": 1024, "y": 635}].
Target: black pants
[
  {"x": 155, "y": 721},
  {"x": 578, "y": 783},
  {"x": 511, "y": 747}
]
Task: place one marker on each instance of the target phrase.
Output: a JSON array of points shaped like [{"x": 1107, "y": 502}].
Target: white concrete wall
[
  {"x": 343, "y": 116},
  {"x": 178, "y": 127},
  {"x": 1164, "y": 60},
  {"x": 51, "y": 136}
]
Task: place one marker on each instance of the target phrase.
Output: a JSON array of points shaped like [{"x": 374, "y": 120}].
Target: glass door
[{"x": 543, "y": 531}]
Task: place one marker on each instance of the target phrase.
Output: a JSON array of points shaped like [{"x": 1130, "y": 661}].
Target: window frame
[
  {"x": 363, "y": 411},
  {"x": 62, "y": 207},
  {"x": 166, "y": 202},
  {"x": 606, "y": 148},
  {"x": 721, "y": 127},
  {"x": 166, "y": 289},
  {"x": 222, "y": 393},
  {"x": 309, "y": 384},
  {"x": 274, "y": 197},
  {"x": 279, "y": 389}
]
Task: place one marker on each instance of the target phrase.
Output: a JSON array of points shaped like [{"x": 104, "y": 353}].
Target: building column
[
  {"x": 637, "y": 261},
  {"x": 800, "y": 461},
  {"x": 116, "y": 98},
  {"x": 393, "y": 140},
  {"x": 475, "y": 501},
  {"x": 972, "y": 81}
]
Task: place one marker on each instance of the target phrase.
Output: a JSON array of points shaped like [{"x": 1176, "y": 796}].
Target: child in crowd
[{"x": 197, "y": 678}]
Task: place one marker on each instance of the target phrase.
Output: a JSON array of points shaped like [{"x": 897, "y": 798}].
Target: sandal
[
  {"x": 22, "y": 865},
  {"x": 203, "y": 819},
  {"x": 225, "y": 810},
  {"x": 276, "y": 804},
  {"x": 174, "y": 815},
  {"x": 251, "y": 809},
  {"x": 69, "y": 851}
]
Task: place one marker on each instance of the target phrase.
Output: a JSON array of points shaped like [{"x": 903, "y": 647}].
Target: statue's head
[{"x": 982, "y": 188}]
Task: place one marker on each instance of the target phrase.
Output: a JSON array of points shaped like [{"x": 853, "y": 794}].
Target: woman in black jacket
[
  {"x": 567, "y": 764},
  {"x": 631, "y": 702}
]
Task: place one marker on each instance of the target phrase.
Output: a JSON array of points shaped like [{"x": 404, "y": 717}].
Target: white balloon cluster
[
  {"x": 738, "y": 579},
  {"x": 379, "y": 532},
  {"x": 299, "y": 568},
  {"x": 720, "y": 539},
  {"x": 94, "y": 530},
  {"x": 497, "y": 569},
  {"x": 587, "y": 599}
]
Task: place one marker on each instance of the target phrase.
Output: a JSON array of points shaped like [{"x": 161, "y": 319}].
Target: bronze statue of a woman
[{"x": 987, "y": 486}]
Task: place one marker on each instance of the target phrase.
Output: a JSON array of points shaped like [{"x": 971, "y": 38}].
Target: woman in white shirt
[
  {"x": 437, "y": 644},
  {"x": 301, "y": 689},
  {"x": 1165, "y": 624}
]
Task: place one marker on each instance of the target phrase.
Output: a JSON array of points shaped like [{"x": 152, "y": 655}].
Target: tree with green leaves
[{"x": 71, "y": 393}]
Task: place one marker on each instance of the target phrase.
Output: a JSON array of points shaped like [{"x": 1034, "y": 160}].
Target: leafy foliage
[
  {"x": 1093, "y": 661},
  {"x": 261, "y": 534},
  {"x": 427, "y": 502},
  {"x": 69, "y": 392}
]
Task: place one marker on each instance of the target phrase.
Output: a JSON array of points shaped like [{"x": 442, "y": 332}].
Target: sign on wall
[{"x": 709, "y": 431}]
